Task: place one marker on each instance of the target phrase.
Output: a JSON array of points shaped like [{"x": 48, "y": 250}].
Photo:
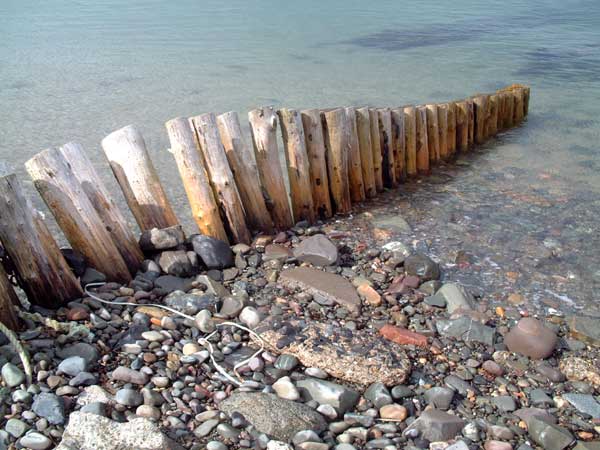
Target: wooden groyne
[{"x": 334, "y": 158}]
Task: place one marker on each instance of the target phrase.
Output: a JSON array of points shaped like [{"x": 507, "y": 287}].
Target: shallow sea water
[{"x": 75, "y": 71}]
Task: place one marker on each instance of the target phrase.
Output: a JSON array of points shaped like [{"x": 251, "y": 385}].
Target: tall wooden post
[
  {"x": 422, "y": 144},
  {"x": 492, "y": 125},
  {"x": 129, "y": 160},
  {"x": 190, "y": 164},
  {"x": 376, "y": 148},
  {"x": 443, "y": 130},
  {"x": 221, "y": 177},
  {"x": 388, "y": 169},
  {"x": 75, "y": 214},
  {"x": 263, "y": 124},
  {"x": 462, "y": 126},
  {"x": 357, "y": 187},
  {"x": 526, "y": 95},
  {"x": 410, "y": 133},
  {"x": 519, "y": 96},
  {"x": 399, "y": 143},
  {"x": 315, "y": 148},
  {"x": 243, "y": 166},
  {"x": 298, "y": 165},
  {"x": 480, "y": 108},
  {"x": 363, "y": 125},
  {"x": 47, "y": 278},
  {"x": 8, "y": 300},
  {"x": 451, "y": 128},
  {"x": 104, "y": 204},
  {"x": 433, "y": 133},
  {"x": 471, "y": 121},
  {"x": 337, "y": 137}
]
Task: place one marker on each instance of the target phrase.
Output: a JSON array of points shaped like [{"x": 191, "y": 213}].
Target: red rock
[
  {"x": 77, "y": 313},
  {"x": 412, "y": 281},
  {"x": 369, "y": 294},
  {"x": 531, "y": 338},
  {"x": 403, "y": 336}
]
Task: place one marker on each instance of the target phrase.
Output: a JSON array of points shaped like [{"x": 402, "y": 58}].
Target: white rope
[{"x": 203, "y": 341}]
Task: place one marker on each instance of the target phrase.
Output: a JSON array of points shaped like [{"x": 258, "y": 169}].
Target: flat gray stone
[
  {"x": 83, "y": 349},
  {"x": 12, "y": 375},
  {"x": 274, "y": 416},
  {"x": 584, "y": 403},
  {"x": 328, "y": 393},
  {"x": 170, "y": 283},
  {"x": 50, "y": 407},
  {"x": 586, "y": 329},
  {"x": 456, "y": 296},
  {"x": 317, "y": 250},
  {"x": 548, "y": 436},
  {"x": 323, "y": 284},
  {"x": 35, "y": 441},
  {"x": 73, "y": 365},
  {"x": 191, "y": 304},
  {"x": 436, "y": 425},
  {"x": 466, "y": 329},
  {"x": 86, "y": 431}
]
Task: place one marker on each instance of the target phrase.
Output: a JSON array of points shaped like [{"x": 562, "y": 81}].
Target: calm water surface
[{"x": 77, "y": 70}]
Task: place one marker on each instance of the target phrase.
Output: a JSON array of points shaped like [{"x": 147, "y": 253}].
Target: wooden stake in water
[
  {"x": 480, "y": 103},
  {"x": 104, "y": 204},
  {"x": 443, "y": 130},
  {"x": 471, "y": 121},
  {"x": 135, "y": 173},
  {"x": 337, "y": 141},
  {"x": 492, "y": 124},
  {"x": 221, "y": 177},
  {"x": 298, "y": 165},
  {"x": 376, "y": 148},
  {"x": 462, "y": 126},
  {"x": 315, "y": 149},
  {"x": 399, "y": 143},
  {"x": 388, "y": 164},
  {"x": 47, "y": 278},
  {"x": 357, "y": 187},
  {"x": 190, "y": 163},
  {"x": 363, "y": 127},
  {"x": 433, "y": 133},
  {"x": 410, "y": 133},
  {"x": 75, "y": 214},
  {"x": 422, "y": 143},
  {"x": 451, "y": 128}
]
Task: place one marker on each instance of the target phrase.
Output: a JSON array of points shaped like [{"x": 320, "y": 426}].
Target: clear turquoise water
[{"x": 76, "y": 70}]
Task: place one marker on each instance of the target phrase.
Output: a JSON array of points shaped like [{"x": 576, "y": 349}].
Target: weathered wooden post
[
  {"x": 357, "y": 187},
  {"x": 315, "y": 148},
  {"x": 433, "y": 133},
  {"x": 337, "y": 137},
  {"x": 526, "y": 95},
  {"x": 451, "y": 128},
  {"x": 8, "y": 300},
  {"x": 376, "y": 148},
  {"x": 480, "y": 104},
  {"x": 243, "y": 166},
  {"x": 221, "y": 177},
  {"x": 190, "y": 164},
  {"x": 263, "y": 125},
  {"x": 471, "y": 121},
  {"x": 519, "y": 98},
  {"x": 129, "y": 160},
  {"x": 462, "y": 126},
  {"x": 422, "y": 144},
  {"x": 47, "y": 278},
  {"x": 75, "y": 214},
  {"x": 492, "y": 124},
  {"x": 410, "y": 133},
  {"x": 443, "y": 130},
  {"x": 388, "y": 164},
  {"x": 112, "y": 218},
  {"x": 363, "y": 126},
  {"x": 399, "y": 143},
  {"x": 501, "y": 110},
  {"x": 298, "y": 164}
]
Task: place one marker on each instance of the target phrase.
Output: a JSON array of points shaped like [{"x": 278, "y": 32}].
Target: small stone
[
  {"x": 278, "y": 445},
  {"x": 584, "y": 403},
  {"x": 83, "y": 349},
  {"x": 175, "y": 262},
  {"x": 393, "y": 411},
  {"x": 435, "y": 300},
  {"x": 378, "y": 395},
  {"x": 497, "y": 445},
  {"x": 326, "y": 392},
  {"x": 148, "y": 411},
  {"x": 548, "y": 436},
  {"x": 35, "y": 441},
  {"x": 317, "y": 250},
  {"x": 215, "y": 254},
  {"x": 305, "y": 436},
  {"x": 16, "y": 428},
  {"x": 191, "y": 303},
  {"x": 439, "y": 397},
  {"x": 157, "y": 239},
  {"x": 284, "y": 388},
  {"x": 12, "y": 375},
  {"x": 50, "y": 407},
  {"x": 170, "y": 283},
  {"x": 403, "y": 336},
  {"x": 190, "y": 348},
  {"x": 492, "y": 368},
  {"x": 127, "y": 375},
  {"x": 286, "y": 362},
  {"x": 456, "y": 296},
  {"x": 435, "y": 425},
  {"x": 505, "y": 403},
  {"x": 153, "y": 336},
  {"x": 72, "y": 366},
  {"x": 369, "y": 294},
  {"x": 204, "y": 321},
  {"x": 77, "y": 313},
  {"x": 91, "y": 275},
  {"x": 129, "y": 397},
  {"x": 531, "y": 338},
  {"x": 422, "y": 266},
  {"x": 250, "y": 317},
  {"x": 232, "y": 306}
]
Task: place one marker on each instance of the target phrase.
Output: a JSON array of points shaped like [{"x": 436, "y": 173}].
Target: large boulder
[
  {"x": 274, "y": 416},
  {"x": 86, "y": 431}
]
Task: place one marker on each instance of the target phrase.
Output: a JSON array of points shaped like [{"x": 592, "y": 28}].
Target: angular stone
[
  {"x": 359, "y": 357},
  {"x": 170, "y": 283},
  {"x": 466, "y": 329},
  {"x": 531, "y": 338},
  {"x": 272, "y": 415},
  {"x": 328, "y": 393},
  {"x": 158, "y": 239},
  {"x": 277, "y": 252},
  {"x": 393, "y": 411},
  {"x": 129, "y": 397},
  {"x": 548, "y": 436},
  {"x": 175, "y": 262},
  {"x": 378, "y": 394},
  {"x": 215, "y": 254},
  {"x": 584, "y": 403},
  {"x": 436, "y": 425},
  {"x": 403, "y": 336},
  {"x": 323, "y": 284},
  {"x": 50, "y": 407},
  {"x": 439, "y": 397},
  {"x": 127, "y": 375},
  {"x": 212, "y": 286},
  {"x": 317, "y": 250},
  {"x": 526, "y": 414},
  {"x": 73, "y": 365},
  {"x": 191, "y": 303},
  {"x": 585, "y": 329},
  {"x": 422, "y": 266},
  {"x": 86, "y": 431},
  {"x": 456, "y": 296},
  {"x": 505, "y": 403},
  {"x": 12, "y": 375}
]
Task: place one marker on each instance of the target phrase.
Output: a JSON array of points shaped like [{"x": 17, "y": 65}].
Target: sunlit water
[{"x": 77, "y": 70}]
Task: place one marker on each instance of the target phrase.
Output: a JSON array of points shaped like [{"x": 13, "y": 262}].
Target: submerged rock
[
  {"x": 467, "y": 329},
  {"x": 585, "y": 329},
  {"x": 456, "y": 296},
  {"x": 422, "y": 266},
  {"x": 274, "y": 416}
]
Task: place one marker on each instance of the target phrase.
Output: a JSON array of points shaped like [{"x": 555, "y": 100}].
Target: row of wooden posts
[{"x": 335, "y": 157}]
